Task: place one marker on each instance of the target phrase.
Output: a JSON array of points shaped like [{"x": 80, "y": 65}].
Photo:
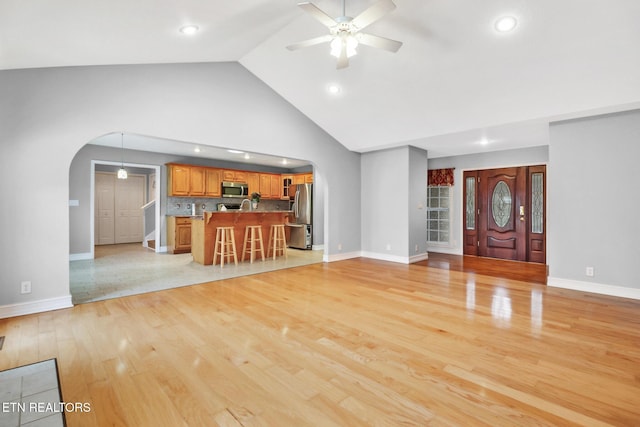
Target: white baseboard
[
  {"x": 80, "y": 257},
  {"x": 445, "y": 250},
  {"x": 341, "y": 256},
  {"x": 419, "y": 257},
  {"x": 374, "y": 255},
  {"x": 396, "y": 258},
  {"x": 596, "y": 288},
  {"x": 24, "y": 308}
]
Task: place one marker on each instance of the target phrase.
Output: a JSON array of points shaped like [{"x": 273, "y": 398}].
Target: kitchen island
[{"x": 203, "y": 230}]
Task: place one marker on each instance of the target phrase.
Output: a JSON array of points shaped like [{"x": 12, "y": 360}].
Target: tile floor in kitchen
[{"x": 129, "y": 269}]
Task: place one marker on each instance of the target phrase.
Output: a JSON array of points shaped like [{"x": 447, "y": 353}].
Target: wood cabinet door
[
  {"x": 179, "y": 176},
  {"x": 197, "y": 181},
  {"x": 253, "y": 181},
  {"x": 308, "y": 178},
  {"x": 212, "y": 183},
  {"x": 298, "y": 179},
  {"x": 183, "y": 237},
  {"x": 265, "y": 185},
  {"x": 275, "y": 186},
  {"x": 287, "y": 180},
  {"x": 240, "y": 176},
  {"x": 228, "y": 175}
]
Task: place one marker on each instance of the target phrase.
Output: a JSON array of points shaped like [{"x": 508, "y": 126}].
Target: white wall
[
  {"x": 497, "y": 159},
  {"x": 47, "y": 115},
  {"x": 393, "y": 189},
  {"x": 594, "y": 204}
]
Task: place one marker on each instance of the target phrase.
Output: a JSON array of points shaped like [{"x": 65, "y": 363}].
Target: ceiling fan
[{"x": 345, "y": 32}]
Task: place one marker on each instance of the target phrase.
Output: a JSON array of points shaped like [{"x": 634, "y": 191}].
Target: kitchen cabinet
[
  {"x": 234, "y": 176},
  {"x": 253, "y": 180},
  {"x": 265, "y": 185},
  {"x": 212, "y": 183},
  {"x": 178, "y": 234},
  {"x": 270, "y": 186},
  {"x": 178, "y": 179},
  {"x": 197, "y": 181},
  {"x": 287, "y": 180},
  {"x": 298, "y": 179},
  {"x": 275, "y": 187},
  {"x": 308, "y": 178}
]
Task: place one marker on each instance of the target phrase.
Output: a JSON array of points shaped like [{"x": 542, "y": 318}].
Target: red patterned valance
[{"x": 440, "y": 177}]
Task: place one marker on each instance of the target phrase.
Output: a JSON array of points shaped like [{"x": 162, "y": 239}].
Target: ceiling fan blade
[
  {"x": 379, "y": 42},
  {"x": 313, "y": 10},
  {"x": 343, "y": 59},
  {"x": 374, "y": 13},
  {"x": 311, "y": 42}
]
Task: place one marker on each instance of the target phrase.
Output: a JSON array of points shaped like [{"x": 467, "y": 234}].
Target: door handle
[{"x": 521, "y": 213}]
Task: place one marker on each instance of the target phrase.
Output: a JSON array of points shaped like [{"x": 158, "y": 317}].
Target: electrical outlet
[
  {"x": 388, "y": 246},
  {"x": 25, "y": 287},
  {"x": 589, "y": 272},
  {"x": 339, "y": 246},
  {"x": 417, "y": 248}
]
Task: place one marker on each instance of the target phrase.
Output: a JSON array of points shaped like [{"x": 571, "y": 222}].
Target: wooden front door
[{"x": 504, "y": 213}]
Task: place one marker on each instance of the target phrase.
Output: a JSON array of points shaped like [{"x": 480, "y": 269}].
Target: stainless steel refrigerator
[{"x": 300, "y": 222}]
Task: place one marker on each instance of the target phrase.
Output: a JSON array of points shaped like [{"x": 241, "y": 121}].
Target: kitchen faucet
[{"x": 246, "y": 200}]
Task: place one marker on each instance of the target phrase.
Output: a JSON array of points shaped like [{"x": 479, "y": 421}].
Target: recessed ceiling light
[
  {"x": 189, "y": 30},
  {"x": 235, "y": 151},
  {"x": 247, "y": 156},
  {"x": 334, "y": 89},
  {"x": 506, "y": 24},
  {"x": 284, "y": 161},
  {"x": 484, "y": 141},
  {"x": 197, "y": 149}
]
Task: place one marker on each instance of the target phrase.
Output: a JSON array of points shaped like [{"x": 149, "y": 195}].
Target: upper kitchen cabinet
[
  {"x": 234, "y": 176},
  {"x": 194, "y": 181},
  {"x": 253, "y": 181},
  {"x": 287, "y": 180},
  {"x": 275, "y": 187},
  {"x": 213, "y": 182},
  {"x": 178, "y": 179},
  {"x": 270, "y": 185},
  {"x": 303, "y": 178},
  {"x": 197, "y": 181},
  {"x": 265, "y": 185}
]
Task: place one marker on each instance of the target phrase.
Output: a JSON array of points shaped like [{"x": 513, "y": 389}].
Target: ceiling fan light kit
[{"x": 345, "y": 32}]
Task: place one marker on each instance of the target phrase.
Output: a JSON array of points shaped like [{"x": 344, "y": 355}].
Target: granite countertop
[{"x": 228, "y": 211}]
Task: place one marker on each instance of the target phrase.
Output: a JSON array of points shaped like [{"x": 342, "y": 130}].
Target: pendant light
[{"x": 122, "y": 173}]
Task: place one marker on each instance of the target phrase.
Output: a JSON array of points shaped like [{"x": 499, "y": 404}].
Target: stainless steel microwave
[{"x": 235, "y": 189}]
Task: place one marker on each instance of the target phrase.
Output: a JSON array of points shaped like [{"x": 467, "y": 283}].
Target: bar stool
[
  {"x": 252, "y": 234},
  {"x": 277, "y": 240},
  {"x": 225, "y": 245}
]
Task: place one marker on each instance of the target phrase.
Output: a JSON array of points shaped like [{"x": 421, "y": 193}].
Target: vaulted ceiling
[{"x": 456, "y": 86}]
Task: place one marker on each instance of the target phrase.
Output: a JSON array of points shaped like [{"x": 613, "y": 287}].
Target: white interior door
[
  {"x": 129, "y": 197},
  {"x": 104, "y": 208}
]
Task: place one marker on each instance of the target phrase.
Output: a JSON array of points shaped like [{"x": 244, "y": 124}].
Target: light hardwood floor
[{"x": 350, "y": 343}]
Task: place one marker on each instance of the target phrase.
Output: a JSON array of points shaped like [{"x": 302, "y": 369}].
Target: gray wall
[
  {"x": 48, "y": 115},
  {"x": 497, "y": 159},
  {"x": 593, "y": 199},
  {"x": 393, "y": 189}
]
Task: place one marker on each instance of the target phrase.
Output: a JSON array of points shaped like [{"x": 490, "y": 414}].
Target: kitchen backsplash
[{"x": 182, "y": 205}]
